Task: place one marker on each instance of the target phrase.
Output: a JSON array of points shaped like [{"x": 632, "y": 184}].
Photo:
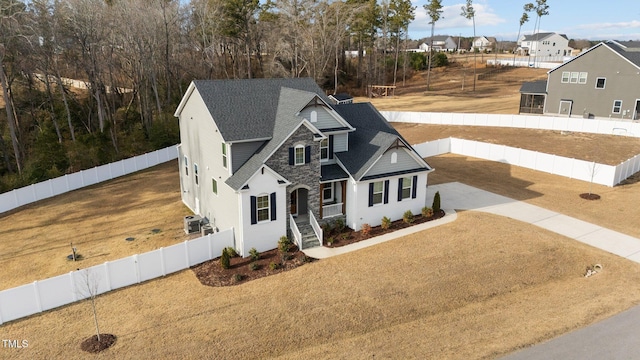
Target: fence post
[
  {"x": 135, "y": 261},
  {"x": 51, "y": 188},
  {"x": 106, "y": 272},
  {"x": 33, "y": 190},
  {"x": 162, "y": 261},
  {"x": 36, "y": 292},
  {"x": 73, "y": 287},
  {"x": 210, "y": 247},
  {"x": 186, "y": 252}
]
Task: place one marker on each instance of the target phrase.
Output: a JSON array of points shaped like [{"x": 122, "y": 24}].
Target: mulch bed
[
  {"x": 241, "y": 270},
  {"x": 590, "y": 196},
  {"x": 92, "y": 344},
  {"x": 211, "y": 273},
  {"x": 349, "y": 236}
]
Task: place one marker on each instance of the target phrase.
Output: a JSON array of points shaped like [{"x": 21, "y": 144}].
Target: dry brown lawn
[
  {"x": 476, "y": 288},
  {"x": 35, "y": 239}
]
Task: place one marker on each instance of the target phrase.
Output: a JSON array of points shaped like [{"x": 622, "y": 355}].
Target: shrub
[
  {"x": 254, "y": 266},
  {"x": 436, "y": 203},
  {"x": 339, "y": 225},
  {"x": 386, "y": 223},
  {"x": 255, "y": 255},
  {"x": 366, "y": 229},
  {"x": 236, "y": 278},
  {"x": 231, "y": 251},
  {"x": 344, "y": 236},
  {"x": 326, "y": 228},
  {"x": 283, "y": 244},
  {"x": 331, "y": 240},
  {"x": 407, "y": 217},
  {"x": 225, "y": 259},
  {"x": 427, "y": 211},
  {"x": 273, "y": 266}
]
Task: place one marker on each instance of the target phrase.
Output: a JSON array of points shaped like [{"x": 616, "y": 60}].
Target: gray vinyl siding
[
  {"x": 325, "y": 119},
  {"x": 384, "y": 165},
  {"x": 241, "y": 152},
  {"x": 340, "y": 142},
  {"x": 601, "y": 62}
]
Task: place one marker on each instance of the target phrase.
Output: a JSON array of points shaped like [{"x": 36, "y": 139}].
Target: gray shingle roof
[
  {"x": 332, "y": 172},
  {"x": 541, "y": 36},
  {"x": 373, "y": 136},
  {"x": 534, "y": 87},
  {"x": 633, "y": 56},
  {"x": 246, "y": 109}
]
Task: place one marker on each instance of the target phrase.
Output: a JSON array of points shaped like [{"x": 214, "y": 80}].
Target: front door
[
  {"x": 565, "y": 107},
  {"x": 294, "y": 202}
]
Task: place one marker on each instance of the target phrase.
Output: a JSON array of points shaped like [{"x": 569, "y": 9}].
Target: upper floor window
[
  {"x": 583, "y": 77},
  {"x": 186, "y": 165},
  {"x": 314, "y": 116},
  {"x": 565, "y": 76},
  {"x": 214, "y": 186},
  {"x": 617, "y": 106},
  {"x": 600, "y": 83},
  {"x": 299, "y": 155},
  {"x": 195, "y": 173},
  {"x": 224, "y": 155},
  {"x": 324, "y": 149},
  {"x": 574, "y": 77},
  {"x": 394, "y": 157}
]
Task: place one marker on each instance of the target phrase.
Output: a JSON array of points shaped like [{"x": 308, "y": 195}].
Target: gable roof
[
  {"x": 373, "y": 136},
  {"x": 541, "y": 36},
  {"x": 248, "y": 110},
  {"x": 628, "y": 45},
  {"x": 631, "y": 56}
]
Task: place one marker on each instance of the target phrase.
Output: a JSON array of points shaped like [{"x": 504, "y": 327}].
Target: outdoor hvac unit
[
  {"x": 206, "y": 229},
  {"x": 192, "y": 224}
]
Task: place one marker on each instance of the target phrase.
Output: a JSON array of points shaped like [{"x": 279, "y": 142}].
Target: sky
[{"x": 578, "y": 19}]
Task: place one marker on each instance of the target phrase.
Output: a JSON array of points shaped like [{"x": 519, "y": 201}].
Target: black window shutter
[
  {"x": 370, "y": 194},
  {"x": 330, "y": 146},
  {"x": 414, "y": 187},
  {"x": 273, "y": 206},
  {"x": 386, "y": 191},
  {"x": 307, "y": 154},
  {"x": 291, "y": 156},
  {"x": 254, "y": 205},
  {"x": 400, "y": 189}
]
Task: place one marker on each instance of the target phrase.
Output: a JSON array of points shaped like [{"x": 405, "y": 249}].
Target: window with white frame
[
  {"x": 195, "y": 173},
  {"x": 407, "y": 185},
  {"x": 224, "y": 155},
  {"x": 262, "y": 208},
  {"x": 327, "y": 192},
  {"x": 582, "y": 79},
  {"x": 314, "y": 116},
  {"x": 601, "y": 82},
  {"x": 617, "y": 106},
  {"x": 186, "y": 165},
  {"x": 324, "y": 150},
  {"x": 565, "y": 77},
  {"x": 574, "y": 77},
  {"x": 378, "y": 192},
  {"x": 394, "y": 157},
  {"x": 214, "y": 186},
  {"x": 299, "y": 155}
]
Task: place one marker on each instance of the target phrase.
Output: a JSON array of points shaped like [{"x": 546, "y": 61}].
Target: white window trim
[
  {"x": 214, "y": 181},
  {"x": 323, "y": 159},
  {"x": 394, "y": 157},
  {"x": 331, "y": 187},
  {"x": 225, "y": 156},
  {"x": 404, "y": 186},
  {"x": 295, "y": 155},
  {"x": 196, "y": 174},
  {"x": 314, "y": 116},
  {"x": 613, "y": 110},
  {"x": 381, "y": 192},
  {"x": 582, "y": 80},
  {"x": 568, "y": 73},
  {"x": 603, "y": 85},
  {"x": 258, "y": 208},
  {"x": 186, "y": 165},
  {"x": 577, "y": 75}
]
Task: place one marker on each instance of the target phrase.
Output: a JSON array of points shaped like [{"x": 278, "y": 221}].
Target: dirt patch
[{"x": 93, "y": 345}]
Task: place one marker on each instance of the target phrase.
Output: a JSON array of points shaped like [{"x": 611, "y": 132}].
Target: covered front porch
[{"x": 333, "y": 191}]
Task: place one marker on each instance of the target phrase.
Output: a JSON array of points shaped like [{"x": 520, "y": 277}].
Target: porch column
[
  {"x": 344, "y": 197},
  {"x": 321, "y": 196}
]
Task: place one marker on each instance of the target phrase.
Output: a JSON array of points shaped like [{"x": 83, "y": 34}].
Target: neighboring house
[
  {"x": 341, "y": 98},
  {"x": 270, "y": 157},
  {"x": 483, "y": 43},
  {"x": 544, "y": 44},
  {"x": 600, "y": 82},
  {"x": 440, "y": 43}
]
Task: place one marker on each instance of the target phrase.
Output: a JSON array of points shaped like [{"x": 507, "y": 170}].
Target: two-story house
[
  {"x": 271, "y": 157},
  {"x": 600, "y": 82},
  {"x": 440, "y": 43},
  {"x": 483, "y": 43},
  {"x": 544, "y": 44}
]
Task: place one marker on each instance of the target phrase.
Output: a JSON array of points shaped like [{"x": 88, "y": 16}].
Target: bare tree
[
  {"x": 434, "y": 11},
  {"x": 523, "y": 19},
  {"x": 88, "y": 288},
  {"x": 470, "y": 13}
]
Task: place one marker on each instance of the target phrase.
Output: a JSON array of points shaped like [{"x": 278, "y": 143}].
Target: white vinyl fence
[
  {"x": 64, "y": 289},
  {"x": 572, "y": 168},
  {"x": 52, "y": 187},
  {"x": 574, "y": 124}
]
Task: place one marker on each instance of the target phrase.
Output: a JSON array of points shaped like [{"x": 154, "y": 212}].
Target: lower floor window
[
  {"x": 378, "y": 191},
  {"x": 617, "y": 106},
  {"x": 263, "y": 208}
]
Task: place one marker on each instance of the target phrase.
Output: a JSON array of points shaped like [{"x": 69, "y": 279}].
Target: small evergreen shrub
[
  {"x": 326, "y": 228},
  {"x": 344, "y": 236},
  {"x": 225, "y": 259},
  {"x": 436, "y": 203},
  {"x": 283, "y": 244},
  {"x": 366, "y": 229},
  {"x": 236, "y": 278},
  {"x": 385, "y": 223},
  {"x": 339, "y": 225},
  {"x": 231, "y": 251},
  {"x": 273, "y": 266},
  {"x": 407, "y": 217},
  {"x": 427, "y": 211},
  {"x": 254, "y": 266},
  {"x": 331, "y": 240},
  {"x": 255, "y": 255}
]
